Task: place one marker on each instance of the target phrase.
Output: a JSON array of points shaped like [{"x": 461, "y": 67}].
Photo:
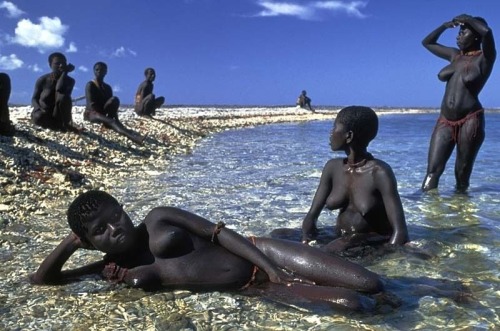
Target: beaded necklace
[
  {"x": 352, "y": 166},
  {"x": 472, "y": 53}
]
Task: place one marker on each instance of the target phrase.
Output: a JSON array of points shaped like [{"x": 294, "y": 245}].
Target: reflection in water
[{"x": 263, "y": 178}]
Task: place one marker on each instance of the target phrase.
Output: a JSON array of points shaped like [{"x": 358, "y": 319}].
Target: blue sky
[{"x": 245, "y": 52}]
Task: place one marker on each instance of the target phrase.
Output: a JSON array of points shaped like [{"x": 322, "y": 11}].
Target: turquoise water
[
  {"x": 258, "y": 179},
  {"x": 262, "y": 178}
]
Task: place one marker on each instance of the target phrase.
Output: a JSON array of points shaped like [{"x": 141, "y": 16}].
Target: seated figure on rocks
[
  {"x": 363, "y": 188},
  {"x": 303, "y": 101},
  {"x": 102, "y": 106},
  {"x": 146, "y": 102},
  {"x": 154, "y": 255},
  {"x": 51, "y": 99},
  {"x": 6, "y": 126}
]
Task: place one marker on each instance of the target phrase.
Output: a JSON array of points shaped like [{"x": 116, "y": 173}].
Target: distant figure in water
[
  {"x": 6, "y": 126},
  {"x": 176, "y": 249},
  {"x": 102, "y": 106},
  {"x": 363, "y": 188},
  {"x": 51, "y": 99},
  {"x": 145, "y": 101},
  {"x": 461, "y": 120},
  {"x": 303, "y": 101}
]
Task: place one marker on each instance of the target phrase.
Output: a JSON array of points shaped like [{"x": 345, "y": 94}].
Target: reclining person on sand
[
  {"x": 146, "y": 102},
  {"x": 102, "y": 106},
  {"x": 51, "y": 99},
  {"x": 6, "y": 126},
  {"x": 362, "y": 187},
  {"x": 176, "y": 249}
]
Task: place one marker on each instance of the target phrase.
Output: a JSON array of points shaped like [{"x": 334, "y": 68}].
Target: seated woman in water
[
  {"x": 363, "y": 188},
  {"x": 102, "y": 106},
  {"x": 173, "y": 248}
]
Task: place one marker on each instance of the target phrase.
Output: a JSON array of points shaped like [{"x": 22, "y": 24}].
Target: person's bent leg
[
  {"x": 42, "y": 118},
  {"x": 159, "y": 102},
  {"x": 62, "y": 112},
  {"x": 149, "y": 105},
  {"x": 318, "y": 266},
  {"x": 111, "y": 107},
  {"x": 440, "y": 149},
  {"x": 339, "y": 298},
  {"x": 470, "y": 140}
]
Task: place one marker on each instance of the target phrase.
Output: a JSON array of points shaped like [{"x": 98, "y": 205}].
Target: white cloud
[
  {"x": 310, "y": 10},
  {"x": 10, "y": 62},
  {"x": 122, "y": 52},
  {"x": 35, "y": 68},
  {"x": 72, "y": 48},
  {"x": 46, "y": 35},
  {"x": 350, "y": 7},
  {"x": 117, "y": 88},
  {"x": 12, "y": 10},
  {"x": 272, "y": 8},
  {"x": 83, "y": 68}
]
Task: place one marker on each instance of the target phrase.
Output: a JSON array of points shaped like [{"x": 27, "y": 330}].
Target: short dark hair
[
  {"x": 147, "y": 69},
  {"x": 100, "y": 63},
  {"x": 83, "y": 208},
  {"x": 477, "y": 34},
  {"x": 56, "y": 54},
  {"x": 362, "y": 121}
]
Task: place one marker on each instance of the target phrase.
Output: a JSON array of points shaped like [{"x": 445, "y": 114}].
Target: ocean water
[{"x": 261, "y": 178}]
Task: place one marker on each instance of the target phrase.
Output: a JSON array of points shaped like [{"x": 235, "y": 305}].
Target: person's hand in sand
[
  {"x": 102, "y": 106},
  {"x": 361, "y": 187},
  {"x": 173, "y": 248}
]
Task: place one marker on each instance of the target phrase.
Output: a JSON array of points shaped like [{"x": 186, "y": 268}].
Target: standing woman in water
[{"x": 461, "y": 120}]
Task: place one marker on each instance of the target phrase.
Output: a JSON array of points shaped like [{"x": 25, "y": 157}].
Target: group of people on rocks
[
  {"x": 173, "y": 248},
  {"x": 52, "y": 102}
]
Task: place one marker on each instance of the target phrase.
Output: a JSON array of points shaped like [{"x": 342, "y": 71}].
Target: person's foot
[
  {"x": 73, "y": 129},
  {"x": 7, "y": 129},
  {"x": 138, "y": 139}
]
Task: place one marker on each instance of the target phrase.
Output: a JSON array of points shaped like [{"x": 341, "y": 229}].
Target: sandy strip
[{"x": 39, "y": 167}]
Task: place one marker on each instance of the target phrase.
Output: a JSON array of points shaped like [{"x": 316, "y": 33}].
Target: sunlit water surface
[{"x": 258, "y": 179}]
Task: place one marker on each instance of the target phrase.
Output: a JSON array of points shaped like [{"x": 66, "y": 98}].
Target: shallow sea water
[{"x": 258, "y": 179}]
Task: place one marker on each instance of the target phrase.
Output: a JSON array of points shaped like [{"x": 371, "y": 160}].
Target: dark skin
[
  {"x": 469, "y": 69},
  {"x": 370, "y": 209},
  {"x": 51, "y": 99},
  {"x": 304, "y": 101},
  {"x": 6, "y": 126},
  {"x": 146, "y": 102},
  {"x": 102, "y": 106},
  {"x": 173, "y": 248}
]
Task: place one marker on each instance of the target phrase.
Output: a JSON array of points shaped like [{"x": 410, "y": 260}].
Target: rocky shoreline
[{"x": 38, "y": 167}]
